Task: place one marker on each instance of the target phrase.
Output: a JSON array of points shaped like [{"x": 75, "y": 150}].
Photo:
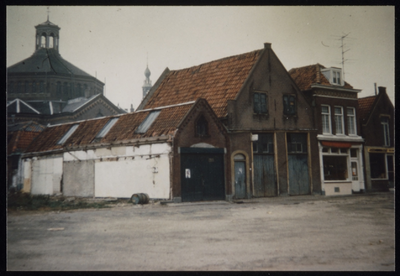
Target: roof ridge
[{"x": 215, "y": 60}]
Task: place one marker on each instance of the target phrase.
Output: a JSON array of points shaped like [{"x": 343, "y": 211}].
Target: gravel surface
[{"x": 305, "y": 233}]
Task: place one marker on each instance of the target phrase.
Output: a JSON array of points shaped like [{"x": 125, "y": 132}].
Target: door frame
[{"x": 247, "y": 166}]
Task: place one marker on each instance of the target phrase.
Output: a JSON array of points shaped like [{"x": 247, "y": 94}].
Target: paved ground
[{"x": 286, "y": 233}]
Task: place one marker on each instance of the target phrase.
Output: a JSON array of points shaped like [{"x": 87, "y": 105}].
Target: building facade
[
  {"x": 340, "y": 146},
  {"x": 141, "y": 152},
  {"x": 269, "y": 122},
  {"x": 377, "y": 128}
]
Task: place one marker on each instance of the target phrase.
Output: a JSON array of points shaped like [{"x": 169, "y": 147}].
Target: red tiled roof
[
  {"x": 365, "y": 106},
  {"x": 124, "y": 129},
  {"x": 305, "y": 76},
  {"x": 216, "y": 81},
  {"x": 20, "y": 136}
]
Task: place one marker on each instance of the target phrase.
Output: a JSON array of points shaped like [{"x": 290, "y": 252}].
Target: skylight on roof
[
  {"x": 107, "y": 128},
  {"x": 144, "y": 126},
  {"x": 68, "y": 134}
]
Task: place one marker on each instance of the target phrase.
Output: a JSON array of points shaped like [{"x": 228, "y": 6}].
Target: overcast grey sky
[{"x": 114, "y": 40}]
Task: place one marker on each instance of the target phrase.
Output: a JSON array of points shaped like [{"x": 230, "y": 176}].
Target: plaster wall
[{"x": 46, "y": 175}]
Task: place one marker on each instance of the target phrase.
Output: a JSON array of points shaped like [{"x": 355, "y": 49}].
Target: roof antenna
[{"x": 342, "y": 46}]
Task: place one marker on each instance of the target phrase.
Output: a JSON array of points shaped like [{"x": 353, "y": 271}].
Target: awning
[{"x": 345, "y": 145}]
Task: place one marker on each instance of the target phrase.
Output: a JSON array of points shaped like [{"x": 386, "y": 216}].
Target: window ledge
[{"x": 336, "y": 181}]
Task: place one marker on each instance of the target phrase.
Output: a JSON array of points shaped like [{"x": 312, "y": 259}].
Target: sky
[{"x": 116, "y": 43}]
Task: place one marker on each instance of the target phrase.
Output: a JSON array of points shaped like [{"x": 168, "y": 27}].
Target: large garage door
[
  {"x": 264, "y": 169},
  {"x": 202, "y": 174}
]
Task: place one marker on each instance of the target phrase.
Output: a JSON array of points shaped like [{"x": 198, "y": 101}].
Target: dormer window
[{"x": 333, "y": 75}]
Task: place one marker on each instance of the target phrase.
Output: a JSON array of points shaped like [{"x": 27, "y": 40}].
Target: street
[{"x": 302, "y": 233}]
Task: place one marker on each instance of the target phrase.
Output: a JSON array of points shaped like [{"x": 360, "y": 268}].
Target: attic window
[
  {"x": 334, "y": 75},
  {"x": 201, "y": 127},
  {"x": 289, "y": 104},
  {"x": 105, "y": 129},
  {"x": 145, "y": 125},
  {"x": 260, "y": 103},
  {"x": 68, "y": 134}
]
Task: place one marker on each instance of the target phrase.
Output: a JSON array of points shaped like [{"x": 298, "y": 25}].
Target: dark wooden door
[
  {"x": 299, "y": 183},
  {"x": 264, "y": 168},
  {"x": 202, "y": 174}
]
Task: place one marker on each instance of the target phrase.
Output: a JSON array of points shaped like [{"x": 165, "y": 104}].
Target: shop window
[
  {"x": 201, "y": 127},
  {"x": 351, "y": 120},
  {"x": 386, "y": 131},
  {"x": 339, "y": 119},
  {"x": 289, "y": 104},
  {"x": 325, "y": 149},
  {"x": 335, "y": 167},
  {"x": 377, "y": 166},
  {"x": 326, "y": 119},
  {"x": 260, "y": 103}
]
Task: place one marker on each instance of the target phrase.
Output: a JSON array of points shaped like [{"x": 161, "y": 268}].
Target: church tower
[
  {"x": 147, "y": 82},
  {"x": 47, "y": 35}
]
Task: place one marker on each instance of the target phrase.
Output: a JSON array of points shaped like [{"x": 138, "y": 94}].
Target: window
[
  {"x": 11, "y": 87},
  {"x": 144, "y": 126},
  {"x": 33, "y": 87},
  {"x": 386, "y": 131},
  {"x": 26, "y": 89},
  {"x": 68, "y": 134},
  {"x": 260, "y": 103},
  {"x": 264, "y": 144},
  {"x": 336, "y": 77},
  {"x": 351, "y": 121},
  {"x": 201, "y": 127},
  {"x": 289, "y": 104},
  {"x": 377, "y": 165},
  {"x": 297, "y": 143},
  {"x": 339, "y": 119},
  {"x": 326, "y": 119},
  {"x": 41, "y": 87},
  {"x": 59, "y": 90},
  {"x": 105, "y": 129},
  {"x": 335, "y": 167}
]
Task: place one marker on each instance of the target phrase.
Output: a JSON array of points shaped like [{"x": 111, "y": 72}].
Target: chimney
[
  {"x": 381, "y": 89},
  {"x": 267, "y": 45},
  {"x": 318, "y": 73},
  {"x": 375, "y": 87}
]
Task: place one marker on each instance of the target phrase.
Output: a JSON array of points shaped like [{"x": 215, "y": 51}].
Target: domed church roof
[{"x": 46, "y": 60}]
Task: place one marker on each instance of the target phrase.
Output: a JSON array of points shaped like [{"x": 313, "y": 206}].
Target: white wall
[
  {"x": 46, "y": 175},
  {"x": 124, "y": 170}
]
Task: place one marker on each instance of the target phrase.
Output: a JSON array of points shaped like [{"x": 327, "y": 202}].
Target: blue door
[
  {"x": 240, "y": 179},
  {"x": 299, "y": 183}
]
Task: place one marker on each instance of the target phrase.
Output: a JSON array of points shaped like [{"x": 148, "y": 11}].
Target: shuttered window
[
  {"x": 260, "y": 103},
  {"x": 289, "y": 104}
]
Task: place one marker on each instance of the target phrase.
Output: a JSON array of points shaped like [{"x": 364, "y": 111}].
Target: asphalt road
[{"x": 306, "y": 233}]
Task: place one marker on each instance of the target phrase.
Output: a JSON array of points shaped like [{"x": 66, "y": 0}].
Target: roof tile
[{"x": 216, "y": 81}]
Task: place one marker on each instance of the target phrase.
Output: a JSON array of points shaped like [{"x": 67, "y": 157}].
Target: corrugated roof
[
  {"x": 46, "y": 61},
  {"x": 365, "y": 106},
  {"x": 124, "y": 129},
  {"x": 216, "y": 81},
  {"x": 305, "y": 76}
]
